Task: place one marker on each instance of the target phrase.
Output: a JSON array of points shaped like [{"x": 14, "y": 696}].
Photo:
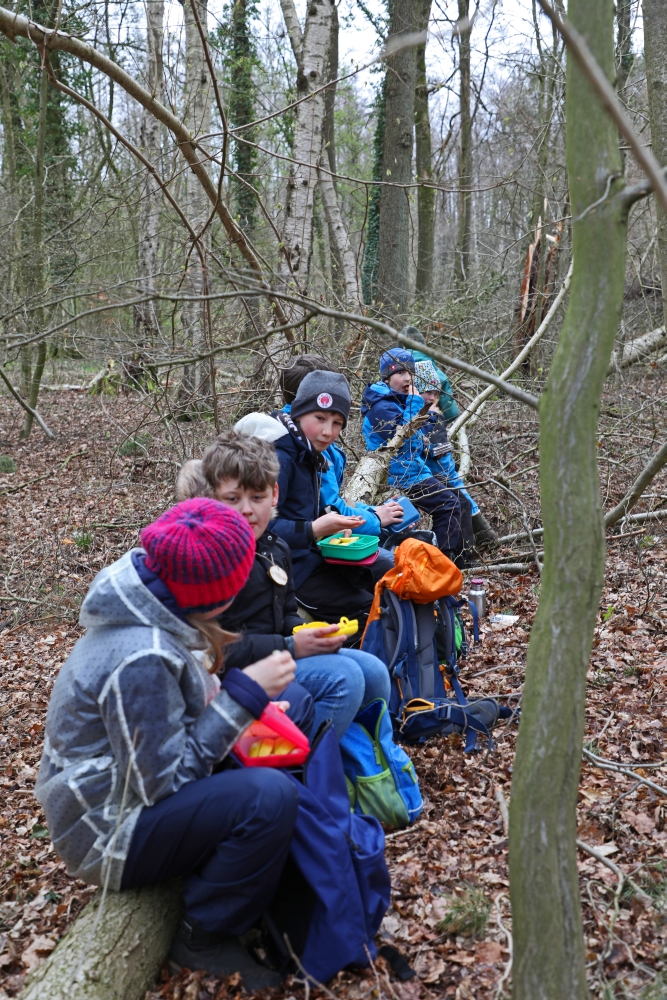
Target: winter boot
[
  {"x": 194, "y": 948},
  {"x": 485, "y": 536}
]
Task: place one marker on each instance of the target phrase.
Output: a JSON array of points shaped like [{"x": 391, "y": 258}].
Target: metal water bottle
[{"x": 477, "y": 596}]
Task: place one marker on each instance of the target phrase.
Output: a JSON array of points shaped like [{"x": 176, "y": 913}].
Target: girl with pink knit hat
[{"x": 138, "y": 722}]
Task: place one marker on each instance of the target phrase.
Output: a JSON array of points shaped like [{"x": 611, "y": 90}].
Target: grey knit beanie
[{"x": 324, "y": 391}]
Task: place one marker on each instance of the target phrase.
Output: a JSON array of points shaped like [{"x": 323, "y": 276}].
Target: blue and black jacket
[{"x": 384, "y": 410}]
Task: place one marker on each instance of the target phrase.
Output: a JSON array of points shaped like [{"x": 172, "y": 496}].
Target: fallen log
[
  {"x": 371, "y": 472},
  {"x": 112, "y": 955},
  {"x": 638, "y": 349}
]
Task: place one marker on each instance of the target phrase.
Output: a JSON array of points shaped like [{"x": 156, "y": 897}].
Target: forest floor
[{"x": 75, "y": 504}]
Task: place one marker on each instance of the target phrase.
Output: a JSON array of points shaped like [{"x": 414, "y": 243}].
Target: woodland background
[{"x": 138, "y": 316}]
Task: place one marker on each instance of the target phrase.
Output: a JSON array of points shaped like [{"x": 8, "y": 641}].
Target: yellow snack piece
[
  {"x": 283, "y": 746},
  {"x": 265, "y": 747},
  {"x": 346, "y": 626},
  {"x": 253, "y": 749}
]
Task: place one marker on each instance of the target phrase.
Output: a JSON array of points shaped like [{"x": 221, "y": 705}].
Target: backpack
[
  {"x": 415, "y": 627},
  {"x": 381, "y": 778},
  {"x": 335, "y": 887}
]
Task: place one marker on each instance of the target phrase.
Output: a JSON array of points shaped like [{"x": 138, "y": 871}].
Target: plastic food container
[
  {"x": 351, "y": 549},
  {"x": 256, "y": 746},
  {"x": 345, "y": 627},
  {"x": 411, "y": 516}
]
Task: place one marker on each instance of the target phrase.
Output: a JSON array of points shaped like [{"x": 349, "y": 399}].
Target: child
[
  {"x": 376, "y": 517},
  {"x": 242, "y": 472},
  {"x": 137, "y": 724},
  {"x": 318, "y": 414},
  {"x": 387, "y": 404},
  {"x": 439, "y": 456}
]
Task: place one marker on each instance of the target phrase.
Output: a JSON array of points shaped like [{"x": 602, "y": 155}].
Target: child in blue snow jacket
[
  {"x": 138, "y": 722},
  {"x": 386, "y": 405}
]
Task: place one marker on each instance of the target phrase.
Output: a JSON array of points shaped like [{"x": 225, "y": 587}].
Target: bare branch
[
  {"x": 644, "y": 479},
  {"x": 33, "y": 413}
]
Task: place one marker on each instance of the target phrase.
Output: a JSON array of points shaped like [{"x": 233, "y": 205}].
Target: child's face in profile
[
  {"x": 321, "y": 428},
  {"x": 254, "y": 505},
  {"x": 430, "y": 396},
  {"x": 400, "y": 382}
]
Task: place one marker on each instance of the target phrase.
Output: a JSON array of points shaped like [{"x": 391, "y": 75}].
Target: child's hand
[
  {"x": 274, "y": 672},
  {"x": 329, "y": 524},
  {"x": 315, "y": 641},
  {"x": 389, "y": 513}
]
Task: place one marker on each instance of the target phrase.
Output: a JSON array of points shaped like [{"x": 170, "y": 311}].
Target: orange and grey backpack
[{"x": 415, "y": 627}]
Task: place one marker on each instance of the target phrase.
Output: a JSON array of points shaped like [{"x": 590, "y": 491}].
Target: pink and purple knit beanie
[{"x": 202, "y": 550}]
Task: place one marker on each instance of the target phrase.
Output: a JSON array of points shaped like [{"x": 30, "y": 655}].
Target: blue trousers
[
  {"x": 444, "y": 507},
  {"x": 453, "y": 479},
  {"x": 227, "y": 835},
  {"x": 340, "y": 683}
]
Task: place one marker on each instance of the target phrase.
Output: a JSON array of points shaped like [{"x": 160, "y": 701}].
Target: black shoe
[
  {"x": 485, "y": 536},
  {"x": 194, "y": 949}
]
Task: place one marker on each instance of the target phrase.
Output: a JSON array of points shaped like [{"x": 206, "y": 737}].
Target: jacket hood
[
  {"x": 118, "y": 597},
  {"x": 295, "y": 443},
  {"x": 380, "y": 390}
]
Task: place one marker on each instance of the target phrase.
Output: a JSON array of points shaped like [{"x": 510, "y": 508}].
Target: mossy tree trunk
[
  {"x": 548, "y": 940},
  {"x": 655, "y": 56},
  {"x": 423, "y": 164},
  {"x": 464, "y": 239}
]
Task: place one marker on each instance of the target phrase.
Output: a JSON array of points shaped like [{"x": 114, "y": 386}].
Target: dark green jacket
[{"x": 447, "y": 404}]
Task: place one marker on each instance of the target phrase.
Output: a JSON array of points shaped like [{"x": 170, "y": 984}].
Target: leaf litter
[{"x": 449, "y": 914}]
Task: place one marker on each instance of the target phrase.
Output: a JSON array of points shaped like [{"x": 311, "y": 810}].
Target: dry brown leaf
[
  {"x": 489, "y": 952},
  {"x": 429, "y": 968},
  {"x": 38, "y": 949}
]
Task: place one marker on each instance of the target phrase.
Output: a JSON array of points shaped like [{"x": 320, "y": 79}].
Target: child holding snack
[
  {"x": 242, "y": 472},
  {"x": 137, "y": 723}
]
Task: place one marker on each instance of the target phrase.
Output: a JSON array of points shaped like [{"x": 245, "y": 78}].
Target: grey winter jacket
[{"x": 134, "y": 715}]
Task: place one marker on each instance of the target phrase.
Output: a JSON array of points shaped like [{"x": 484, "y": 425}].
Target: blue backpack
[
  {"x": 335, "y": 887},
  {"x": 421, "y": 644},
  {"x": 381, "y": 778}
]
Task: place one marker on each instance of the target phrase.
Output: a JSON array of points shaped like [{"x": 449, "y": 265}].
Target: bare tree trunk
[
  {"x": 394, "y": 232},
  {"x": 196, "y": 386},
  {"x": 624, "y": 56},
  {"x": 423, "y": 164},
  {"x": 34, "y": 379},
  {"x": 115, "y": 955},
  {"x": 655, "y": 57},
  {"x": 464, "y": 241},
  {"x": 312, "y": 62},
  {"x": 145, "y": 325},
  {"x": 549, "y": 960}
]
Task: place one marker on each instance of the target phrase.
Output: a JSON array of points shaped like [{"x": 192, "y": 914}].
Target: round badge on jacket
[
  {"x": 278, "y": 575},
  {"x": 324, "y": 400}
]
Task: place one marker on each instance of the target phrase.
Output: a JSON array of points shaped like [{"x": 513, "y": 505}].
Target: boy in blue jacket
[{"x": 387, "y": 404}]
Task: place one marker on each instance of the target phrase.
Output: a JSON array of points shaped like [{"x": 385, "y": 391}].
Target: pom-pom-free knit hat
[
  {"x": 396, "y": 360},
  {"x": 202, "y": 550},
  {"x": 426, "y": 377},
  {"x": 324, "y": 391}
]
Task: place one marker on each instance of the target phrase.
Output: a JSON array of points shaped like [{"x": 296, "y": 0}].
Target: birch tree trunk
[
  {"x": 394, "y": 228},
  {"x": 655, "y": 57},
  {"x": 307, "y": 148},
  {"x": 549, "y": 961},
  {"x": 423, "y": 164},
  {"x": 196, "y": 386},
  {"x": 145, "y": 323},
  {"x": 464, "y": 240}
]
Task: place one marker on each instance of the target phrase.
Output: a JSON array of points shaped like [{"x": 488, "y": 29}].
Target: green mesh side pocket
[{"x": 378, "y": 797}]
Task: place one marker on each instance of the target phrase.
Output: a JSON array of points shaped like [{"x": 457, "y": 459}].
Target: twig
[
  {"x": 620, "y": 875},
  {"x": 26, "y": 406},
  {"x": 645, "y": 477},
  {"x": 37, "y": 479},
  {"x": 508, "y": 966},
  {"x": 309, "y": 978},
  {"x": 23, "y": 600},
  {"x": 610, "y": 765},
  {"x": 504, "y": 810}
]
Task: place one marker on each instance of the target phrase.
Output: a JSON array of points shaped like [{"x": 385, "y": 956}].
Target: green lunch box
[{"x": 354, "y": 548}]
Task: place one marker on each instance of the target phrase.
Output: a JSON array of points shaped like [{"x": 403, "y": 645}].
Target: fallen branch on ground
[
  {"x": 645, "y": 477},
  {"x": 26, "y": 406},
  {"x": 639, "y": 348}
]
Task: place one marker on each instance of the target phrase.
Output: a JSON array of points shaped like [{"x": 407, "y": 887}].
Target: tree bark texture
[
  {"x": 423, "y": 164},
  {"x": 369, "y": 276},
  {"x": 308, "y": 144},
  {"x": 464, "y": 240},
  {"x": 242, "y": 112},
  {"x": 394, "y": 223},
  {"x": 549, "y": 959},
  {"x": 655, "y": 57},
  {"x": 145, "y": 324},
  {"x": 121, "y": 959},
  {"x": 624, "y": 56},
  {"x": 196, "y": 384}
]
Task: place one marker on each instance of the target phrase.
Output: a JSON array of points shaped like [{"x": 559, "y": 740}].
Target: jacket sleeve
[
  {"x": 384, "y": 416},
  {"x": 297, "y": 534},
  {"x": 330, "y": 494},
  {"x": 447, "y": 403},
  {"x": 155, "y": 743}
]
